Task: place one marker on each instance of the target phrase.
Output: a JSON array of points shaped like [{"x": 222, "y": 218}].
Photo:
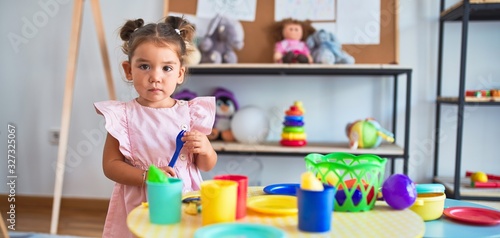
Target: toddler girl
[{"x": 142, "y": 132}]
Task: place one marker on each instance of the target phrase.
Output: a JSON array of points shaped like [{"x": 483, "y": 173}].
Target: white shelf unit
[{"x": 396, "y": 73}]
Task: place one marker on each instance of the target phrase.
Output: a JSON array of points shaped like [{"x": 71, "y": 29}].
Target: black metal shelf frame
[
  {"x": 358, "y": 70},
  {"x": 465, "y": 12},
  {"x": 477, "y": 12}
]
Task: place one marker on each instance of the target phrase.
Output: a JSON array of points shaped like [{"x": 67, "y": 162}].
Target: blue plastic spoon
[{"x": 178, "y": 146}]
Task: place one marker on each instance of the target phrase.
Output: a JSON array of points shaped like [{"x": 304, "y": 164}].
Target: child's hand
[
  {"x": 197, "y": 143},
  {"x": 169, "y": 171}
]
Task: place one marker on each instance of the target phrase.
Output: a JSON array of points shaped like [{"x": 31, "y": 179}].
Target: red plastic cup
[{"x": 241, "y": 197}]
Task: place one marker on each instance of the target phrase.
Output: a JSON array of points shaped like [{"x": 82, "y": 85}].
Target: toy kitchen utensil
[{"x": 178, "y": 146}]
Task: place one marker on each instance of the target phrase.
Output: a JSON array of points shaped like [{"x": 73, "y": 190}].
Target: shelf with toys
[
  {"x": 458, "y": 187},
  {"x": 475, "y": 97},
  {"x": 476, "y": 185},
  {"x": 471, "y": 101},
  {"x": 274, "y": 148},
  {"x": 301, "y": 69},
  {"x": 396, "y": 73}
]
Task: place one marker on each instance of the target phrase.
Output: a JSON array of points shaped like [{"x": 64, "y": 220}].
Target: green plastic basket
[{"x": 357, "y": 178}]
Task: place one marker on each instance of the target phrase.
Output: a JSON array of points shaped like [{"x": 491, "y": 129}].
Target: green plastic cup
[{"x": 165, "y": 201}]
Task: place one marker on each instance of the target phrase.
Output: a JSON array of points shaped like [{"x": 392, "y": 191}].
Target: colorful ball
[
  {"x": 399, "y": 191},
  {"x": 367, "y": 134}
]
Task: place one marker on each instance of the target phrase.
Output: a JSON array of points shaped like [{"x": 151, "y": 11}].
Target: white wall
[{"x": 33, "y": 76}]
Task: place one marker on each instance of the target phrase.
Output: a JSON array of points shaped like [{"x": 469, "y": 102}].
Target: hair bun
[
  {"x": 182, "y": 27},
  {"x": 139, "y": 22},
  {"x": 129, "y": 28}
]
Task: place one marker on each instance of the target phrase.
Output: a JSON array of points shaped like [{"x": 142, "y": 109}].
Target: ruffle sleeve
[
  {"x": 114, "y": 113},
  {"x": 202, "y": 113}
]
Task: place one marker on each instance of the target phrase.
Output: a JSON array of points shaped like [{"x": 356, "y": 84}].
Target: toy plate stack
[{"x": 293, "y": 131}]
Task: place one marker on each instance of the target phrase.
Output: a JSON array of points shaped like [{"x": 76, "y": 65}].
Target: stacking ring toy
[
  {"x": 293, "y": 142},
  {"x": 294, "y": 118},
  {"x": 293, "y": 123},
  {"x": 293, "y": 136},
  {"x": 293, "y": 113},
  {"x": 294, "y": 129}
]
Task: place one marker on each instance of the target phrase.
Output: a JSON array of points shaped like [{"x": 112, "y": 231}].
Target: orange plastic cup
[{"x": 218, "y": 201}]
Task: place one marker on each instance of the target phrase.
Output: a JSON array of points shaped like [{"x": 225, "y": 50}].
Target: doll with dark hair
[{"x": 290, "y": 46}]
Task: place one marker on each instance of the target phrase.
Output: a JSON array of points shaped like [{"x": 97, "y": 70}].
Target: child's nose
[{"x": 156, "y": 76}]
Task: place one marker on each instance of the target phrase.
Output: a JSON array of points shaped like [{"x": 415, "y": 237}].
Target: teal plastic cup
[{"x": 165, "y": 201}]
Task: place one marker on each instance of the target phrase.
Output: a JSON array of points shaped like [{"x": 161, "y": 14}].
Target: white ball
[{"x": 250, "y": 125}]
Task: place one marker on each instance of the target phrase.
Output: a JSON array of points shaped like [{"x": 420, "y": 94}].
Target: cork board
[{"x": 259, "y": 44}]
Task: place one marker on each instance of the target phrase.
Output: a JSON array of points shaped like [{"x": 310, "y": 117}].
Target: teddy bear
[
  {"x": 326, "y": 49},
  {"x": 224, "y": 36}
]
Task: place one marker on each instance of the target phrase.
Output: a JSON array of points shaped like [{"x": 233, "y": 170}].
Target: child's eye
[
  {"x": 144, "y": 66},
  {"x": 167, "y": 68}
]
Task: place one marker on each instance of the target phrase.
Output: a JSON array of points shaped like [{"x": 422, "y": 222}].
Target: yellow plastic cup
[
  {"x": 241, "y": 196},
  {"x": 218, "y": 201}
]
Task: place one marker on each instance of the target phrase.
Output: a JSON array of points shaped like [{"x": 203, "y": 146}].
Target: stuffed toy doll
[
  {"x": 326, "y": 49},
  {"x": 290, "y": 36},
  {"x": 226, "y": 106},
  {"x": 224, "y": 36}
]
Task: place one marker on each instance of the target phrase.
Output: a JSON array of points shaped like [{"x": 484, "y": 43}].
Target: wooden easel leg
[
  {"x": 3, "y": 227},
  {"x": 96, "y": 10},
  {"x": 66, "y": 111},
  {"x": 165, "y": 8}
]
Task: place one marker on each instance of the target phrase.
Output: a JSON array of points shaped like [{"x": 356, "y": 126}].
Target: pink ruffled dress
[
  {"x": 295, "y": 46},
  {"x": 147, "y": 136}
]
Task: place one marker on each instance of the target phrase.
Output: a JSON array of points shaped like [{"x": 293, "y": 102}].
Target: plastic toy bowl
[
  {"x": 353, "y": 175},
  {"x": 430, "y": 201}
]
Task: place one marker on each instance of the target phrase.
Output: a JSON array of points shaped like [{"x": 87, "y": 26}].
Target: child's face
[
  {"x": 292, "y": 31},
  {"x": 155, "y": 72}
]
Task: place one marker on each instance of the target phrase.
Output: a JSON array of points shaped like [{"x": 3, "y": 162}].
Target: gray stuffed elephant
[
  {"x": 224, "y": 36},
  {"x": 326, "y": 49}
]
